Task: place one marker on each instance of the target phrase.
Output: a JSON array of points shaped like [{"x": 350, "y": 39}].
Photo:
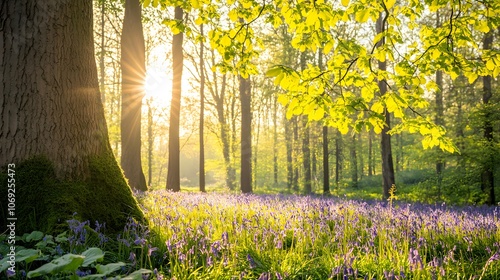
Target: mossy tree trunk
[
  {"x": 133, "y": 65},
  {"x": 53, "y": 127}
]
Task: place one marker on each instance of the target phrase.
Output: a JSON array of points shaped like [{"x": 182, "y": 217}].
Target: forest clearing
[{"x": 249, "y": 139}]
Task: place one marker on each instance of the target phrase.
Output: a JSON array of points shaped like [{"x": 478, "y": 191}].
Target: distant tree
[
  {"x": 387, "y": 162},
  {"x": 487, "y": 176},
  {"x": 202, "y": 113},
  {"x": 173, "y": 176},
  {"x": 133, "y": 68},
  {"x": 53, "y": 126},
  {"x": 246, "y": 134}
]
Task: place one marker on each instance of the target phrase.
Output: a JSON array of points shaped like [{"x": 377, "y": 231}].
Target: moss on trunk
[{"x": 45, "y": 203}]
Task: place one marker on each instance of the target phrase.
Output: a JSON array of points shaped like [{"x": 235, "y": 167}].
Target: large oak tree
[{"x": 53, "y": 127}]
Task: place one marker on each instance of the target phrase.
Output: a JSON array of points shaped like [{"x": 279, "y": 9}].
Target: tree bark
[
  {"x": 487, "y": 177},
  {"x": 306, "y": 149},
  {"x": 133, "y": 67},
  {"x": 53, "y": 127},
  {"x": 387, "y": 162},
  {"x": 202, "y": 115},
  {"x": 275, "y": 141},
  {"x": 174, "y": 176},
  {"x": 289, "y": 153},
  {"x": 246, "y": 135},
  {"x": 354, "y": 163},
  {"x": 326, "y": 166}
]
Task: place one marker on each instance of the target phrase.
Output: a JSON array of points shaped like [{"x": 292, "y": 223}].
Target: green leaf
[
  {"x": 137, "y": 275},
  {"x": 66, "y": 263},
  {"x": 273, "y": 72},
  {"x": 27, "y": 255},
  {"x": 91, "y": 255},
  {"x": 109, "y": 268},
  {"x": 34, "y": 236}
]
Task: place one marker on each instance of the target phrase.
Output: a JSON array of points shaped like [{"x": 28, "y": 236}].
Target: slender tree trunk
[
  {"x": 289, "y": 153},
  {"x": 53, "y": 127},
  {"x": 246, "y": 135},
  {"x": 370, "y": 153},
  {"x": 224, "y": 132},
  {"x": 202, "y": 115},
  {"x": 439, "y": 121},
  {"x": 354, "y": 163},
  {"x": 487, "y": 177},
  {"x": 306, "y": 149},
  {"x": 360, "y": 156},
  {"x": 173, "y": 175},
  {"x": 295, "y": 180},
  {"x": 387, "y": 163},
  {"x": 326, "y": 153},
  {"x": 338, "y": 158},
  {"x": 326, "y": 165},
  {"x": 133, "y": 76},
  {"x": 150, "y": 143},
  {"x": 275, "y": 141},
  {"x": 439, "y": 117}
]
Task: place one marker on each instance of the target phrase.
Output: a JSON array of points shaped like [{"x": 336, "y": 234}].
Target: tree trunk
[
  {"x": 370, "y": 153},
  {"x": 354, "y": 163},
  {"x": 224, "y": 134},
  {"x": 133, "y": 67},
  {"x": 53, "y": 127},
  {"x": 306, "y": 149},
  {"x": 202, "y": 115},
  {"x": 246, "y": 135},
  {"x": 295, "y": 179},
  {"x": 289, "y": 153},
  {"x": 338, "y": 158},
  {"x": 387, "y": 163},
  {"x": 174, "y": 176},
  {"x": 326, "y": 167},
  {"x": 101, "y": 54},
  {"x": 487, "y": 177},
  {"x": 275, "y": 141},
  {"x": 150, "y": 143},
  {"x": 439, "y": 121}
]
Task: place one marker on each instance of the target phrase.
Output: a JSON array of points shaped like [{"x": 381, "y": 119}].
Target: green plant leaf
[
  {"x": 137, "y": 275},
  {"x": 67, "y": 263},
  {"x": 273, "y": 72},
  {"x": 34, "y": 236},
  {"x": 27, "y": 255},
  {"x": 109, "y": 268},
  {"x": 91, "y": 255}
]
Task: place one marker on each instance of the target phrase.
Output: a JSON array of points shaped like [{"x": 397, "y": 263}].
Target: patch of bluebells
[{"x": 208, "y": 231}]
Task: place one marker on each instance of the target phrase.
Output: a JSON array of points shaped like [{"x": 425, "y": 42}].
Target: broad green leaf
[
  {"x": 137, "y": 275},
  {"x": 328, "y": 47},
  {"x": 273, "y": 72},
  {"x": 389, "y": 3},
  {"x": 377, "y": 107},
  {"x": 362, "y": 15},
  {"x": 34, "y": 236},
  {"x": 225, "y": 41},
  {"x": 490, "y": 64},
  {"x": 66, "y": 263},
  {"x": 91, "y": 255},
  {"x": 109, "y": 268},
  {"x": 27, "y": 255}
]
